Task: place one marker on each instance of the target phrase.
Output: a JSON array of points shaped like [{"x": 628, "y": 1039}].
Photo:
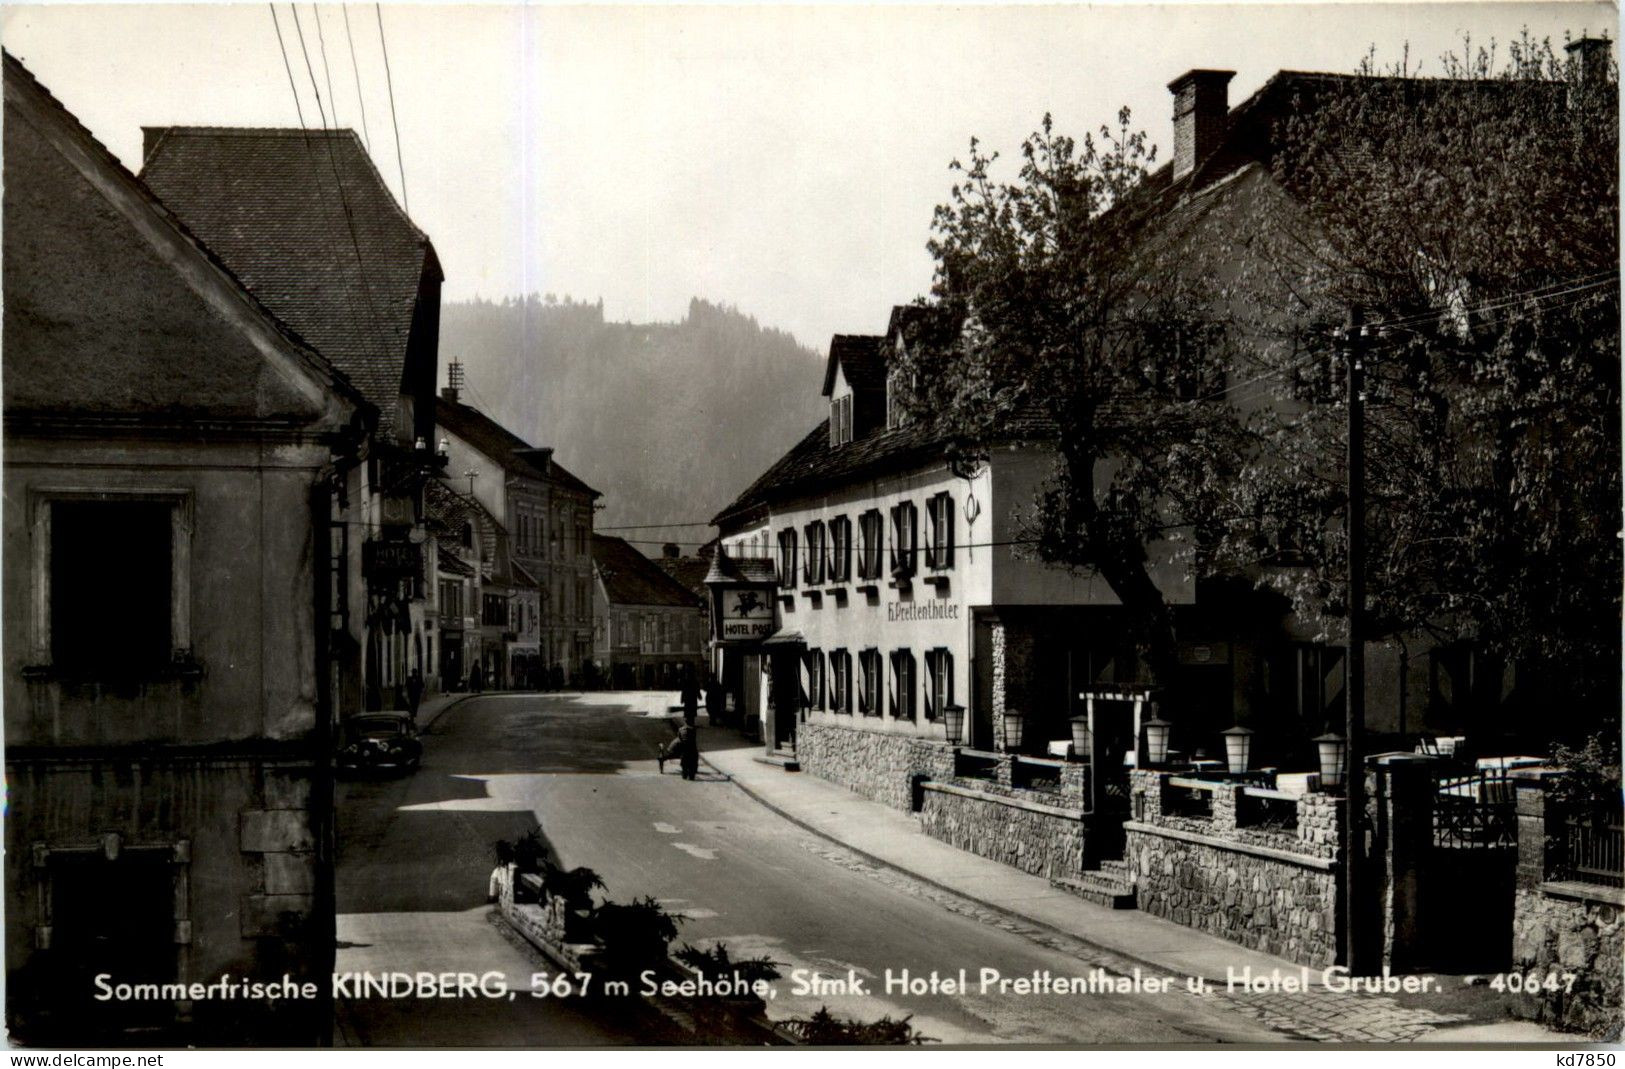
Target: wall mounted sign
[
  {"x": 899, "y": 612},
  {"x": 744, "y": 613}
]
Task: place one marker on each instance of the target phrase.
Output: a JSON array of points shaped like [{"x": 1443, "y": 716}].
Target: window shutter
[
  {"x": 934, "y": 522},
  {"x": 948, "y": 533}
]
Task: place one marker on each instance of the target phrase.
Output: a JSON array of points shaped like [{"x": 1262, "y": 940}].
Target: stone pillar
[
  {"x": 1226, "y": 804},
  {"x": 1400, "y": 801},
  {"x": 1012, "y": 663},
  {"x": 1537, "y": 823}
]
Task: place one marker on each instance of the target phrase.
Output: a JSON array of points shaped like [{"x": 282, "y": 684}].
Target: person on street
[
  {"x": 476, "y": 678},
  {"x": 690, "y": 695},
  {"x": 414, "y": 692},
  {"x": 685, "y": 748},
  {"x": 716, "y": 703}
]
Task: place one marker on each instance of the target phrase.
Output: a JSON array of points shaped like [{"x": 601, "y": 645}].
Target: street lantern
[
  {"x": 1238, "y": 747},
  {"x": 953, "y": 721},
  {"x": 1156, "y": 741},
  {"x": 1334, "y": 755},
  {"x": 1012, "y": 730},
  {"x": 1082, "y": 738}
]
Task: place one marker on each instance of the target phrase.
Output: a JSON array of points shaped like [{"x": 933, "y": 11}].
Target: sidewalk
[{"x": 894, "y": 839}]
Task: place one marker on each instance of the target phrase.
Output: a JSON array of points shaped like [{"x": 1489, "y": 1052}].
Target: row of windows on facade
[
  {"x": 681, "y": 632},
  {"x": 827, "y": 554},
  {"x": 498, "y": 610},
  {"x": 828, "y": 683},
  {"x": 538, "y": 538}
]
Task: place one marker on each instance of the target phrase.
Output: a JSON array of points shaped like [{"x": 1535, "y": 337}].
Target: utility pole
[{"x": 1354, "y": 906}]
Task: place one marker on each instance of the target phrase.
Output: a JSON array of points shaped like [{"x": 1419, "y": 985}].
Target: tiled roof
[
  {"x": 630, "y": 578},
  {"x": 304, "y": 220},
  {"x": 451, "y": 564},
  {"x": 861, "y": 357},
  {"x": 513, "y": 453},
  {"x": 688, "y": 571},
  {"x": 726, "y": 569},
  {"x": 127, "y": 193},
  {"x": 813, "y": 464}
]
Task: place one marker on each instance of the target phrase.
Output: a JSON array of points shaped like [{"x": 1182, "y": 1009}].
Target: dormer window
[{"x": 840, "y": 420}]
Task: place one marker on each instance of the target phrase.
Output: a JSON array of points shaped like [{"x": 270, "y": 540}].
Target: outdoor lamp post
[
  {"x": 1156, "y": 741},
  {"x": 1334, "y": 753},
  {"x": 953, "y": 721},
  {"x": 1238, "y": 747},
  {"x": 1082, "y": 738},
  {"x": 1012, "y": 730}
]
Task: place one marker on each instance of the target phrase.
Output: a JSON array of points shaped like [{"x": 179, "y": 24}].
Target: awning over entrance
[{"x": 785, "y": 637}]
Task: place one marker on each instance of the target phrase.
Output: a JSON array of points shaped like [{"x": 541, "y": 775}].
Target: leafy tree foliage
[
  {"x": 1065, "y": 294},
  {"x": 1184, "y": 348},
  {"x": 1475, "y": 217}
]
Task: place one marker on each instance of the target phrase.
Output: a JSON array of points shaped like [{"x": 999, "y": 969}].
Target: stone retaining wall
[
  {"x": 878, "y": 765},
  {"x": 1562, "y": 926},
  {"x": 1271, "y": 890},
  {"x": 1035, "y": 836}
]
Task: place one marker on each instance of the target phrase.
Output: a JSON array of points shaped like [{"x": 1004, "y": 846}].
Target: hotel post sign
[{"x": 744, "y": 613}]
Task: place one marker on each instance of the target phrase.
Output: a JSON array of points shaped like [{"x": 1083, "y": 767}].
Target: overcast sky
[{"x": 783, "y": 159}]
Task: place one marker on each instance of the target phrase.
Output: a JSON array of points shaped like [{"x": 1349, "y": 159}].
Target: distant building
[
  {"x": 653, "y": 627},
  {"x": 547, "y": 512},
  {"x": 168, "y": 454},
  {"x": 304, "y": 220}
]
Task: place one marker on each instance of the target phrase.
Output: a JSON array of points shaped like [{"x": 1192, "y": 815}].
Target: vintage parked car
[{"x": 380, "y": 742}]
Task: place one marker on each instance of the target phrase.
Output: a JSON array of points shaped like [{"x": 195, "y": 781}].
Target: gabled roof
[
  {"x": 114, "y": 308},
  {"x": 452, "y": 564},
  {"x": 513, "y": 453},
  {"x": 689, "y": 572},
  {"x": 861, "y": 357},
  {"x": 630, "y": 578},
  {"x": 813, "y": 464},
  {"x": 726, "y": 569},
  {"x": 306, "y": 222}
]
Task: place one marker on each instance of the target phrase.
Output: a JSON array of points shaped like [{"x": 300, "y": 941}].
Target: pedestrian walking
[
  {"x": 476, "y": 678},
  {"x": 690, "y": 695},
  {"x": 414, "y": 692},
  {"x": 716, "y": 702},
  {"x": 685, "y": 748}
]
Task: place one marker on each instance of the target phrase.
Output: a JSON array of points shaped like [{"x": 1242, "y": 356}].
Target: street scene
[{"x": 608, "y": 526}]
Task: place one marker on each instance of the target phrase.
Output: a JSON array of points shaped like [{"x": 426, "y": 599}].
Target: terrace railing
[{"x": 1591, "y": 851}]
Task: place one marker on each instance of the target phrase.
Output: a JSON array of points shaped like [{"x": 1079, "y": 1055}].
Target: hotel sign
[{"x": 745, "y": 613}]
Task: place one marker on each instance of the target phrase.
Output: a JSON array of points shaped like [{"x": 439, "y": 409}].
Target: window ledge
[
  {"x": 936, "y": 579},
  {"x": 186, "y": 669},
  {"x": 838, "y": 590},
  {"x": 902, "y": 582},
  {"x": 868, "y": 586}
]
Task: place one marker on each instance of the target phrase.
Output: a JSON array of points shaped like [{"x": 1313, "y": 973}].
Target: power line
[
  {"x": 282, "y": 46},
  {"x": 390, "y": 79},
  {"x": 360, "y": 98},
  {"x": 327, "y": 72}
]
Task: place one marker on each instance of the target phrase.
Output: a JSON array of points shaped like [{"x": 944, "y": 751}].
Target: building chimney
[
  {"x": 1590, "y": 55},
  {"x": 1201, "y": 110},
  {"x": 454, "y": 381},
  {"x": 671, "y": 550}
]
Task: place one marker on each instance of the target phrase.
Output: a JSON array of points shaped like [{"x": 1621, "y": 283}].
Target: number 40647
[{"x": 1533, "y": 982}]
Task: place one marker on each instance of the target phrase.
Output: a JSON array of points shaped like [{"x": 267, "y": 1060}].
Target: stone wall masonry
[
  {"x": 1039, "y": 837},
  {"x": 878, "y": 765},
  {"x": 1269, "y": 890},
  {"x": 1564, "y": 926}
]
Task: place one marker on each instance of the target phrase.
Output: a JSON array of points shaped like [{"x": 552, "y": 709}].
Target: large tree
[
  {"x": 1474, "y": 215},
  {"x": 1474, "y": 218},
  {"x": 1061, "y": 294}
]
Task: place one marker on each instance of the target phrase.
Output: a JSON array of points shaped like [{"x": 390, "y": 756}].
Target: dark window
[
  {"x": 813, "y": 565},
  {"x": 840, "y": 679},
  {"x": 840, "y": 550},
  {"x": 905, "y": 525},
  {"x": 111, "y": 578},
  {"x": 496, "y": 611},
  {"x": 787, "y": 557},
  {"x": 872, "y": 536},
  {"x": 939, "y": 684},
  {"x": 815, "y": 679},
  {"x": 903, "y": 685},
  {"x": 939, "y": 546},
  {"x": 840, "y": 420},
  {"x": 869, "y": 684}
]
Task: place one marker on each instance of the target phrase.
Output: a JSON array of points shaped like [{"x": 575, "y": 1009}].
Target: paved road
[{"x": 739, "y": 873}]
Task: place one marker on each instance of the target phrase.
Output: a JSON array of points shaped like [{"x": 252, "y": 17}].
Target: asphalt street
[{"x": 415, "y": 855}]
